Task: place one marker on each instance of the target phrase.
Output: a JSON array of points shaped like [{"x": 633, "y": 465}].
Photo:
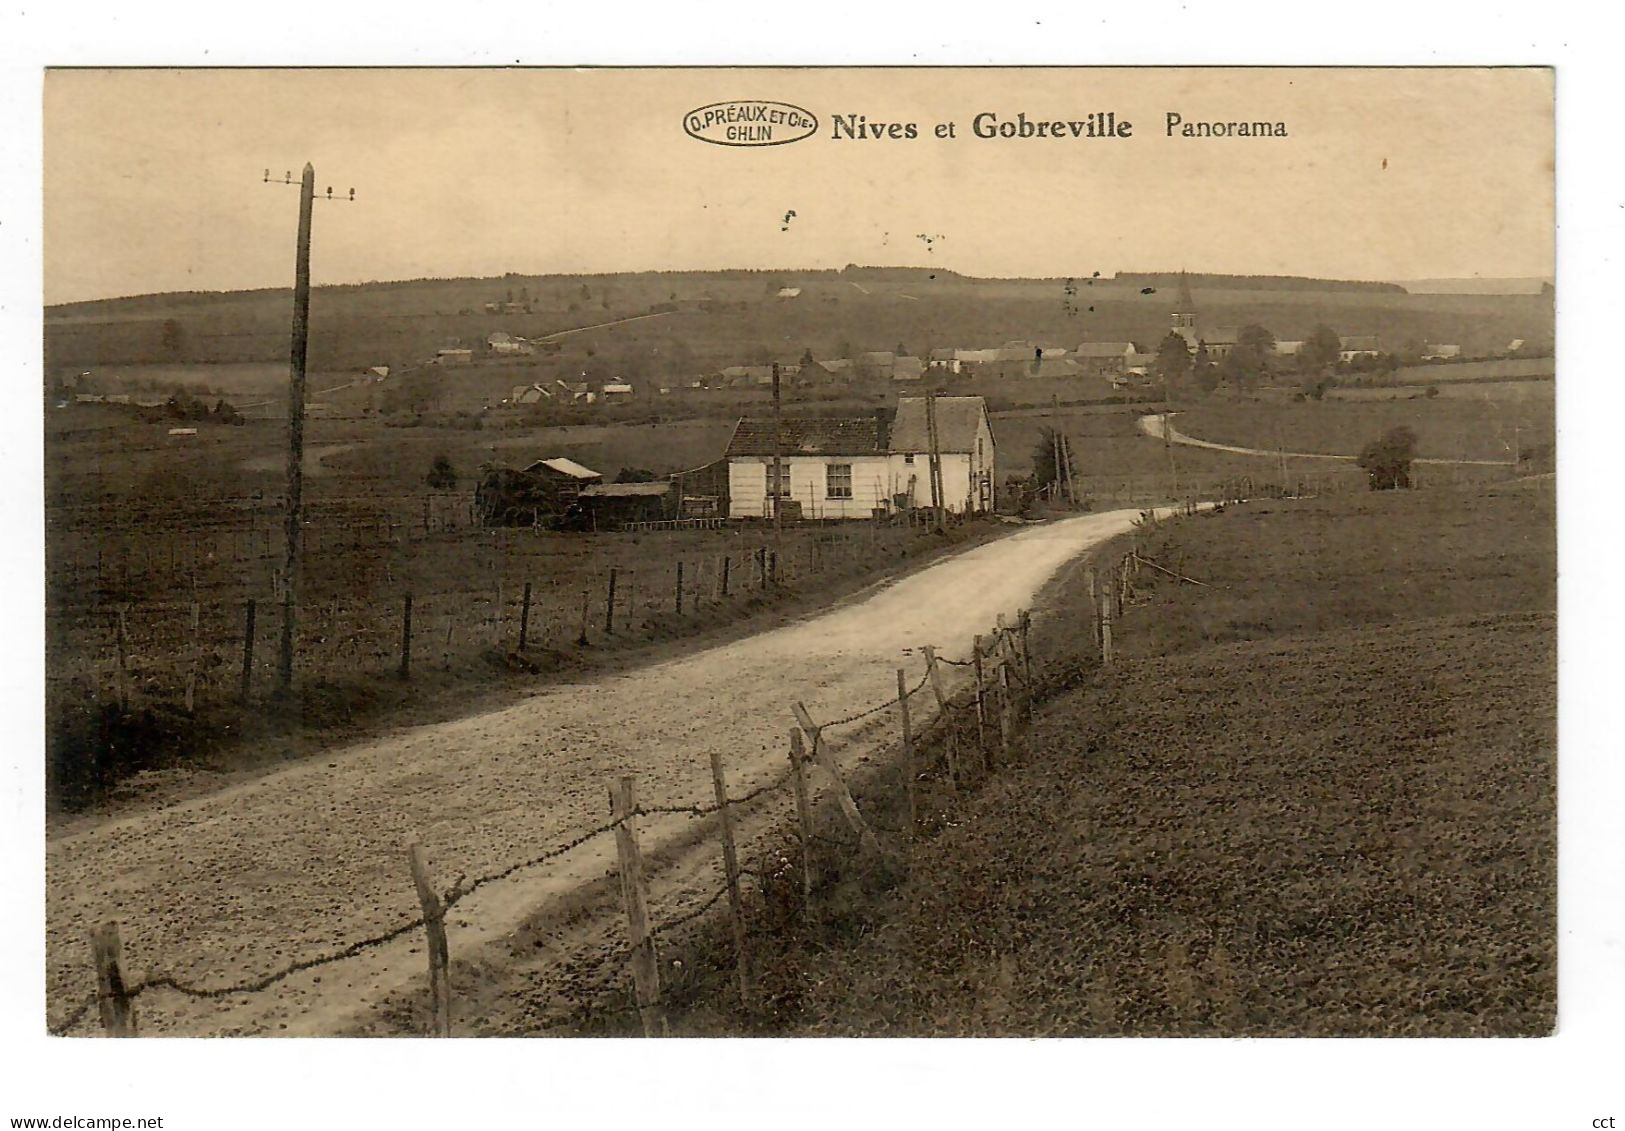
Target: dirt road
[
  {"x": 300, "y": 863},
  {"x": 1156, "y": 424}
]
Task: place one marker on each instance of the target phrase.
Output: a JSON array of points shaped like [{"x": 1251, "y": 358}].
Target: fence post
[
  {"x": 247, "y": 678},
  {"x": 635, "y": 901},
  {"x": 730, "y": 863},
  {"x": 981, "y": 701},
  {"x": 942, "y": 709},
  {"x": 123, "y": 635},
  {"x": 843, "y": 796},
  {"x": 1026, "y": 622},
  {"x": 112, "y": 991},
  {"x": 798, "y": 777},
  {"x": 1004, "y": 708},
  {"x": 586, "y": 602},
  {"x": 908, "y": 758},
  {"x": 1105, "y": 631},
  {"x": 191, "y": 674},
  {"x": 761, "y": 565},
  {"x": 609, "y": 605},
  {"x": 1092, "y": 585},
  {"x": 434, "y": 925},
  {"x": 727, "y": 563},
  {"x": 773, "y": 566},
  {"x": 406, "y": 636},
  {"x": 679, "y": 588},
  {"x": 524, "y": 618}
]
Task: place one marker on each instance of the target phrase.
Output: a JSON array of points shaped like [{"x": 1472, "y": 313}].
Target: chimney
[{"x": 883, "y": 420}]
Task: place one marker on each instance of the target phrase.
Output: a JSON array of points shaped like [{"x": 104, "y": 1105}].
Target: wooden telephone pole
[
  {"x": 934, "y": 468},
  {"x": 296, "y": 409},
  {"x": 775, "y": 484},
  {"x": 296, "y": 419}
]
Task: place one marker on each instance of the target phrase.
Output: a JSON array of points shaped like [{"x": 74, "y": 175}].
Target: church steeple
[{"x": 1184, "y": 313}]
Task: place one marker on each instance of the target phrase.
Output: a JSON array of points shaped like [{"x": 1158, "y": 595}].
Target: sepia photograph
[{"x": 947, "y": 553}]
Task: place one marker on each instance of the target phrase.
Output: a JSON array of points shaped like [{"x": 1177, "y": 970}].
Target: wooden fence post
[
  {"x": 609, "y": 605},
  {"x": 586, "y": 603},
  {"x": 246, "y": 680},
  {"x": 981, "y": 702},
  {"x": 406, "y": 637},
  {"x": 1004, "y": 708},
  {"x": 112, "y": 991},
  {"x": 773, "y": 566},
  {"x": 908, "y": 757},
  {"x": 1092, "y": 585},
  {"x": 679, "y": 588},
  {"x": 623, "y": 806},
  {"x": 524, "y": 618},
  {"x": 942, "y": 709},
  {"x": 434, "y": 925},
  {"x": 798, "y": 778},
  {"x": 1026, "y": 622},
  {"x": 123, "y": 636},
  {"x": 727, "y": 563},
  {"x": 843, "y": 796},
  {"x": 730, "y": 863},
  {"x": 1105, "y": 631},
  {"x": 197, "y": 659}
]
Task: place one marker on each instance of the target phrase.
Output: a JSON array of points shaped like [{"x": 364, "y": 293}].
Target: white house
[
  {"x": 849, "y": 467},
  {"x": 1440, "y": 352}
]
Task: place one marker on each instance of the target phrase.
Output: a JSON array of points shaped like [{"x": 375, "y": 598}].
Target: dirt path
[
  {"x": 1156, "y": 424},
  {"x": 302, "y": 862}
]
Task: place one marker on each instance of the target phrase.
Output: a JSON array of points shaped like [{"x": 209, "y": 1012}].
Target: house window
[
  {"x": 909, "y": 458},
  {"x": 838, "y": 481},
  {"x": 783, "y": 486}
]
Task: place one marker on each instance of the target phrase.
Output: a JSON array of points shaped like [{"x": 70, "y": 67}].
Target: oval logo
[{"x": 749, "y": 122}]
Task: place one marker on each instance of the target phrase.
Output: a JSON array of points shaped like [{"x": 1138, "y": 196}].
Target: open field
[
  {"x": 1481, "y": 422},
  {"x": 1315, "y": 796}
]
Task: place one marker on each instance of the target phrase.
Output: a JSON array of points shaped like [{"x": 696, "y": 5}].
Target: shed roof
[
  {"x": 1360, "y": 342},
  {"x": 567, "y": 467},
  {"x": 808, "y": 436},
  {"x": 958, "y": 421}
]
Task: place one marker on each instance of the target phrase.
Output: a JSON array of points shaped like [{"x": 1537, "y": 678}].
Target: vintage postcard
[{"x": 802, "y": 552}]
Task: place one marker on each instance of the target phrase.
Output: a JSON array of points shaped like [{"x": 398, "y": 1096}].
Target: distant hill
[
  {"x": 1162, "y": 279},
  {"x": 1476, "y": 286}
]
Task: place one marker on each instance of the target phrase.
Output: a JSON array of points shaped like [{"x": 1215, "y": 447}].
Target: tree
[
  {"x": 1045, "y": 468},
  {"x": 1387, "y": 459},
  {"x": 634, "y": 475},
  {"x": 1256, "y": 339},
  {"x": 1321, "y": 348},
  {"x": 806, "y": 357},
  {"x": 442, "y": 476},
  {"x": 1173, "y": 360}
]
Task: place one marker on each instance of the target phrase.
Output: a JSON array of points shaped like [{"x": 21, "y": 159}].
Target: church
[{"x": 1218, "y": 341}]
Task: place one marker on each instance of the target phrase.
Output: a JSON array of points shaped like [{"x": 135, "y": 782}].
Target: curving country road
[
  {"x": 299, "y": 863},
  {"x": 1156, "y": 424}
]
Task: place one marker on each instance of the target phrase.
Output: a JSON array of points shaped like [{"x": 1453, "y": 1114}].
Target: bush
[
  {"x": 1387, "y": 460},
  {"x": 442, "y": 476}
]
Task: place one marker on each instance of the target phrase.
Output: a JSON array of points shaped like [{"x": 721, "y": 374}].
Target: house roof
[
  {"x": 907, "y": 369},
  {"x": 877, "y": 357},
  {"x": 958, "y": 421},
  {"x": 789, "y": 292},
  {"x": 1360, "y": 342},
  {"x": 566, "y": 467},
  {"x": 808, "y": 436},
  {"x": 1104, "y": 349},
  {"x": 1054, "y": 367},
  {"x": 626, "y": 490}
]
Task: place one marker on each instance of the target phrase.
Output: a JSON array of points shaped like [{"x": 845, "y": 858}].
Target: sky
[{"x": 153, "y": 179}]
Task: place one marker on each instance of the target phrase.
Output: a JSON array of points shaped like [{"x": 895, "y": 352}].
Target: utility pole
[
  {"x": 934, "y": 467},
  {"x": 296, "y": 419},
  {"x": 775, "y": 485},
  {"x": 296, "y": 410}
]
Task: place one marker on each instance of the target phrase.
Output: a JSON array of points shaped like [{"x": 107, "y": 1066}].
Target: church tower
[{"x": 1184, "y": 314}]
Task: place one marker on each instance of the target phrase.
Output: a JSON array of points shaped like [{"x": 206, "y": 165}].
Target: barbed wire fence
[{"x": 969, "y": 738}]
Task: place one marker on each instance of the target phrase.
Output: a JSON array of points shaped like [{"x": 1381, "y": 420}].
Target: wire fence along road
[{"x": 296, "y": 865}]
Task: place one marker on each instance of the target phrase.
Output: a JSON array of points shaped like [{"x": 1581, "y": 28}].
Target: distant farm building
[
  {"x": 540, "y": 494},
  {"x": 1359, "y": 345},
  {"x": 504, "y": 343},
  {"x": 1104, "y": 357},
  {"x": 616, "y": 391},
  {"x": 1434, "y": 352},
  {"x": 454, "y": 356},
  {"x": 852, "y": 467},
  {"x": 789, "y": 292},
  {"x": 1288, "y": 349},
  {"x": 907, "y": 369},
  {"x": 530, "y": 394}
]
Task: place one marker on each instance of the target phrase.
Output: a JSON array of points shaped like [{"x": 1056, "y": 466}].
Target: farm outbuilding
[
  {"x": 540, "y": 494},
  {"x": 606, "y": 506}
]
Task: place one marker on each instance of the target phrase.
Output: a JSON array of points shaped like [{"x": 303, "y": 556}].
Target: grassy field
[
  {"x": 1314, "y": 797},
  {"x": 1479, "y": 422}
]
